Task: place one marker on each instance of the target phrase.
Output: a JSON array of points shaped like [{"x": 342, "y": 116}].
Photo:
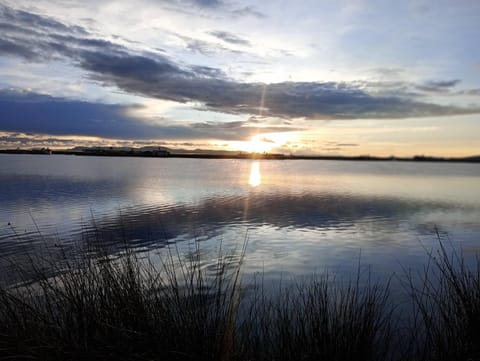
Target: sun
[
  {"x": 257, "y": 144},
  {"x": 264, "y": 143}
]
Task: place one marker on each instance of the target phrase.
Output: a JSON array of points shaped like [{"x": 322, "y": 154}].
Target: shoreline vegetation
[
  {"x": 161, "y": 152},
  {"x": 101, "y": 306}
]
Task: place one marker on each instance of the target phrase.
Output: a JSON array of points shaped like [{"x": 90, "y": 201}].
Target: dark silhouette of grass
[
  {"x": 321, "y": 319},
  {"x": 101, "y": 307},
  {"x": 446, "y": 302},
  {"x": 120, "y": 308}
]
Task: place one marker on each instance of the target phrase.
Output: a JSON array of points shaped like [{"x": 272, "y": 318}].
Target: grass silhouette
[{"x": 99, "y": 306}]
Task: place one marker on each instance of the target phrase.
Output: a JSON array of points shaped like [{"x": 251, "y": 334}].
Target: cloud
[
  {"x": 227, "y": 7},
  {"x": 267, "y": 140},
  {"x": 469, "y": 92},
  {"x": 248, "y": 11},
  {"x": 10, "y": 140},
  {"x": 207, "y": 3},
  {"x": 238, "y": 130},
  {"x": 387, "y": 72},
  {"x": 8, "y": 47},
  {"x": 158, "y": 76},
  {"x": 23, "y": 140},
  {"x": 37, "y": 113},
  {"x": 37, "y": 21},
  {"x": 438, "y": 86},
  {"x": 204, "y": 47},
  {"x": 28, "y": 112},
  {"x": 218, "y": 6},
  {"x": 230, "y": 38},
  {"x": 311, "y": 100},
  {"x": 444, "y": 83},
  {"x": 409, "y": 90}
]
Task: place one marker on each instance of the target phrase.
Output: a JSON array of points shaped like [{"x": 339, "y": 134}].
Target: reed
[
  {"x": 322, "y": 318},
  {"x": 124, "y": 306},
  {"x": 446, "y": 302}
]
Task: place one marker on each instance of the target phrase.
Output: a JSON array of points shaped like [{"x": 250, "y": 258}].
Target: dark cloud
[
  {"x": 12, "y": 140},
  {"x": 203, "y": 47},
  {"x": 30, "y": 112},
  {"x": 206, "y": 71},
  {"x": 223, "y": 125},
  {"x": 186, "y": 4},
  {"x": 410, "y": 90},
  {"x": 37, "y": 21},
  {"x": 219, "y": 7},
  {"x": 207, "y": 3},
  {"x": 469, "y": 92},
  {"x": 444, "y": 83},
  {"x": 248, "y": 11},
  {"x": 23, "y": 140},
  {"x": 438, "y": 86},
  {"x": 36, "y": 113},
  {"x": 230, "y": 38},
  {"x": 158, "y": 76},
  {"x": 207, "y": 48},
  {"x": 347, "y": 145},
  {"x": 237, "y": 130},
  {"x": 8, "y": 47}
]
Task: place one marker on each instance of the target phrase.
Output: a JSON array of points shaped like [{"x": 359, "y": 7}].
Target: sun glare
[
  {"x": 264, "y": 143},
  {"x": 257, "y": 144},
  {"x": 255, "y": 178}
]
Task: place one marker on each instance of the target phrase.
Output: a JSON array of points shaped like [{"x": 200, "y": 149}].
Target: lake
[{"x": 299, "y": 216}]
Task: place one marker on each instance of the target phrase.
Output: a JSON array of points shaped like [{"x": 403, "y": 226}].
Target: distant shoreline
[{"x": 259, "y": 156}]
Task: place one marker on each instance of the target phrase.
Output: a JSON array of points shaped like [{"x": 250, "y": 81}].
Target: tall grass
[
  {"x": 321, "y": 318},
  {"x": 446, "y": 302},
  {"x": 100, "y": 307}
]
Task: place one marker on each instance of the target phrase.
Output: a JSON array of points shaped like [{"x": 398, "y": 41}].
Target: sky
[{"x": 296, "y": 77}]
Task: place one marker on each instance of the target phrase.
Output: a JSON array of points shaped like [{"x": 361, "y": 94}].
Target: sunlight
[
  {"x": 255, "y": 176},
  {"x": 265, "y": 142},
  {"x": 257, "y": 144}
]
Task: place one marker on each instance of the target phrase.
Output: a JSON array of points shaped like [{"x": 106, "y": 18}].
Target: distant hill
[
  {"x": 204, "y": 151},
  {"x": 475, "y": 158}
]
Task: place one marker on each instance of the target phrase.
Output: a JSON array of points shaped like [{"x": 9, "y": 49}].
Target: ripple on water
[{"x": 301, "y": 215}]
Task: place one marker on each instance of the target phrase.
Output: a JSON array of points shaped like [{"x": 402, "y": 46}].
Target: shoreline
[{"x": 254, "y": 156}]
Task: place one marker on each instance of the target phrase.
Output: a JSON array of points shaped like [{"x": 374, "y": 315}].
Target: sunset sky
[{"x": 302, "y": 77}]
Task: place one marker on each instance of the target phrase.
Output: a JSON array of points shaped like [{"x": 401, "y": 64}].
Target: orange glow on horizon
[
  {"x": 262, "y": 143},
  {"x": 257, "y": 144}
]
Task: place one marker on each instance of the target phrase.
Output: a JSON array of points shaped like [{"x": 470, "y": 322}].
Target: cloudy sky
[{"x": 300, "y": 77}]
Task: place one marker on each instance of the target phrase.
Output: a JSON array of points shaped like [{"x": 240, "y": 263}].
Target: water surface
[{"x": 299, "y": 216}]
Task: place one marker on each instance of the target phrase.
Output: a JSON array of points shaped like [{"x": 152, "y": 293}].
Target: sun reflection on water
[{"x": 255, "y": 178}]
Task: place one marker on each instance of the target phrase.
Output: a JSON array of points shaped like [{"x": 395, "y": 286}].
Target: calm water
[{"x": 299, "y": 216}]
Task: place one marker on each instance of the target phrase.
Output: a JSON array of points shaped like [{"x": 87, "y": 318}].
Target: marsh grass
[
  {"x": 124, "y": 306},
  {"x": 446, "y": 303},
  {"x": 322, "y": 318}
]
